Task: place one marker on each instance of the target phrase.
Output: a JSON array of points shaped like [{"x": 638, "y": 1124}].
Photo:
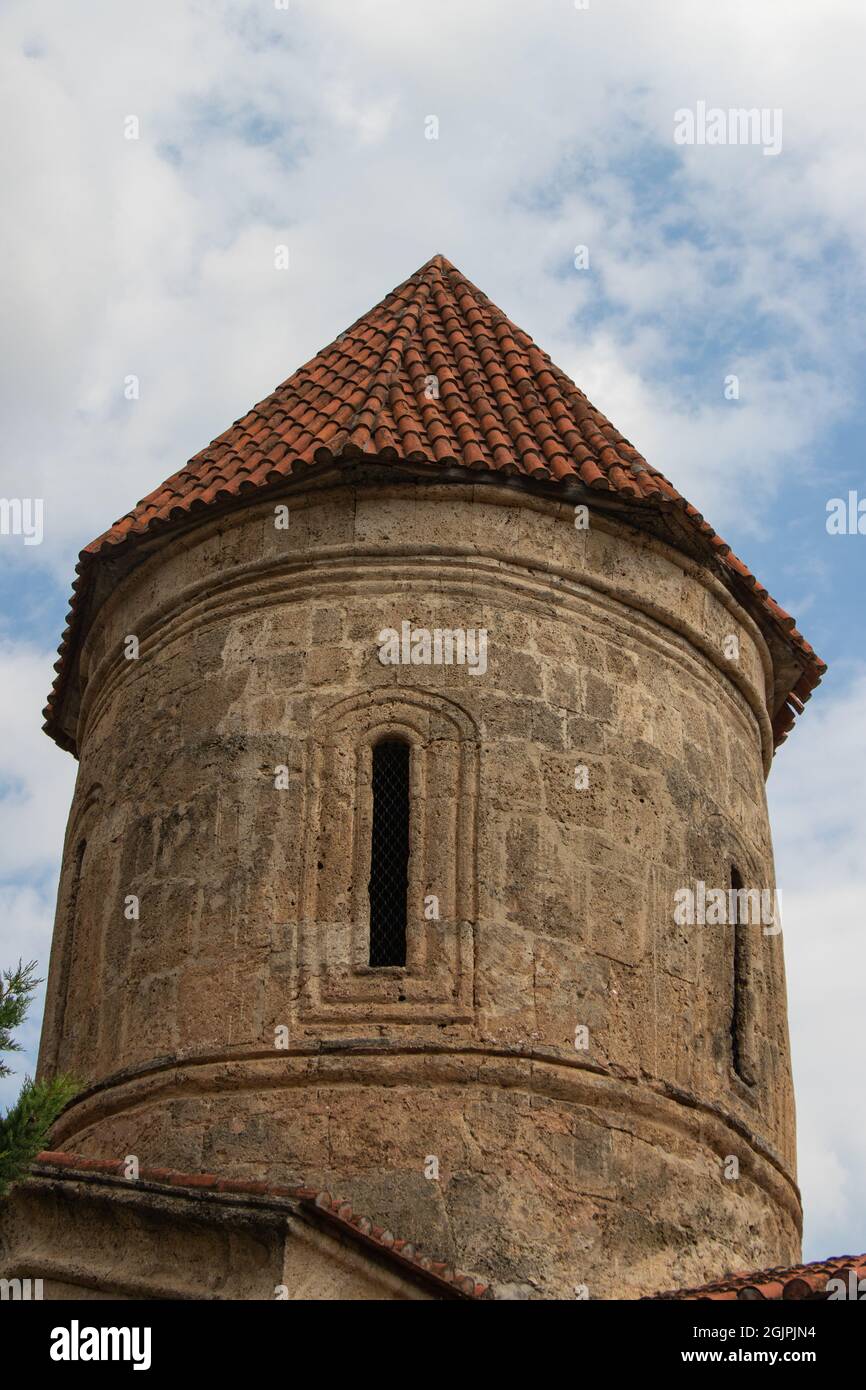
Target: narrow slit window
[
  {"x": 67, "y": 956},
  {"x": 740, "y": 982},
  {"x": 389, "y": 853}
]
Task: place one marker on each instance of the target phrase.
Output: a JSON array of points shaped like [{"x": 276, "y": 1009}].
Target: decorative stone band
[
  {"x": 483, "y": 573},
  {"x": 566, "y": 1076}
]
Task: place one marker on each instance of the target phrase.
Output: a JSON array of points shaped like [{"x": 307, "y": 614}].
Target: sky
[{"x": 366, "y": 136}]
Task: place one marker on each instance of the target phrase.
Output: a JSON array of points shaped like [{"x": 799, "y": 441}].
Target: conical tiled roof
[{"x": 435, "y": 375}]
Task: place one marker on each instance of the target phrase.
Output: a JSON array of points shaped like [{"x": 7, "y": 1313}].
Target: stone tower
[{"x": 406, "y": 714}]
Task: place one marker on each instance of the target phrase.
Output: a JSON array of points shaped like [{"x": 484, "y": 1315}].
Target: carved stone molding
[{"x": 336, "y": 981}]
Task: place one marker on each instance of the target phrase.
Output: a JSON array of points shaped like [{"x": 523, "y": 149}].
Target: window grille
[{"x": 389, "y": 853}]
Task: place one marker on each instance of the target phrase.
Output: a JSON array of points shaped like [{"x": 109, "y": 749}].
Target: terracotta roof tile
[
  {"x": 798, "y": 1282},
  {"x": 502, "y": 407},
  {"x": 336, "y": 1210}
]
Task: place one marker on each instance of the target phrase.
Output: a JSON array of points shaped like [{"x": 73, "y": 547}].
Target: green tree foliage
[{"x": 24, "y": 1128}]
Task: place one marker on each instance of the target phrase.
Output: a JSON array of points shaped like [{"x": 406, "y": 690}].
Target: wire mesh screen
[{"x": 389, "y": 857}]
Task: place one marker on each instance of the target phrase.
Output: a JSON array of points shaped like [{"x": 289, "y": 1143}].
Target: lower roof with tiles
[
  {"x": 823, "y": 1280},
  {"x": 435, "y": 377},
  {"x": 404, "y": 1254},
  {"x": 809, "y": 1281}
]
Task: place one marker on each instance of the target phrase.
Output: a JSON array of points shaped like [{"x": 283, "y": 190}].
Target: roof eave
[{"x": 102, "y": 565}]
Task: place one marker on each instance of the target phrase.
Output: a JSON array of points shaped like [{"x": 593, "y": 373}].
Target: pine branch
[
  {"x": 16, "y": 991},
  {"x": 24, "y": 1129}
]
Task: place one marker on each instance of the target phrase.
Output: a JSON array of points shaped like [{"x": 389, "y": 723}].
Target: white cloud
[
  {"x": 155, "y": 256},
  {"x": 37, "y": 781},
  {"x": 818, "y": 806}
]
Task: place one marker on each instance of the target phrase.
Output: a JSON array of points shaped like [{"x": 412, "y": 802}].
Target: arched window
[
  {"x": 740, "y": 981},
  {"x": 389, "y": 893},
  {"x": 389, "y": 853}
]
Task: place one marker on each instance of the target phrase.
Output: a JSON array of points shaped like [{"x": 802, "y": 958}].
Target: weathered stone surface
[
  {"x": 558, "y": 1165},
  {"x": 98, "y": 1240}
]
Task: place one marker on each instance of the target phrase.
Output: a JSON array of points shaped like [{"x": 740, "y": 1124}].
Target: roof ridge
[
  {"x": 464, "y": 415},
  {"x": 357, "y": 434},
  {"x": 487, "y": 400}
]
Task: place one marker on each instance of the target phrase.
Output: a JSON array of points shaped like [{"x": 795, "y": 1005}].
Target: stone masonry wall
[{"x": 234, "y": 1026}]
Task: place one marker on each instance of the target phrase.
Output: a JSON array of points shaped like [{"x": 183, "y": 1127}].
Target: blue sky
[{"x": 306, "y": 127}]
